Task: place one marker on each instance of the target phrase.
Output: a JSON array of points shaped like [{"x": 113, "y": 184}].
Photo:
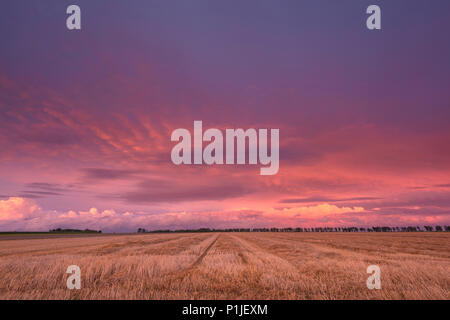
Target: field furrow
[{"x": 228, "y": 266}]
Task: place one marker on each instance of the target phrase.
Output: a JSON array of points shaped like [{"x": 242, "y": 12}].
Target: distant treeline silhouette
[
  {"x": 75, "y": 230},
  {"x": 337, "y": 229}
]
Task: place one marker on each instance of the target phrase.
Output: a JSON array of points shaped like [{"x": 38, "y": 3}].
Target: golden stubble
[{"x": 228, "y": 266}]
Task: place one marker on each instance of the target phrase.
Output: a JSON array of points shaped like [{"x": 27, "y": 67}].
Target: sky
[{"x": 86, "y": 115}]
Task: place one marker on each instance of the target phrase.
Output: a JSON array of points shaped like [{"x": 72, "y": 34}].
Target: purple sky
[{"x": 86, "y": 116}]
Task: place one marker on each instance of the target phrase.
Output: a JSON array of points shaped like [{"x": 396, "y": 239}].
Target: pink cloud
[
  {"x": 16, "y": 208},
  {"x": 78, "y": 154},
  {"x": 24, "y": 214},
  {"x": 317, "y": 211}
]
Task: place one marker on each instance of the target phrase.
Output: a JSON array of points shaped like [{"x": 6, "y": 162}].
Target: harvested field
[{"x": 228, "y": 266}]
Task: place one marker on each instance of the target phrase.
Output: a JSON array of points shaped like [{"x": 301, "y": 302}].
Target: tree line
[
  {"x": 75, "y": 230},
  {"x": 319, "y": 229}
]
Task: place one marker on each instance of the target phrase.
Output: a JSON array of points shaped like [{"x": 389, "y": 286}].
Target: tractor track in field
[
  {"x": 181, "y": 274},
  {"x": 204, "y": 253}
]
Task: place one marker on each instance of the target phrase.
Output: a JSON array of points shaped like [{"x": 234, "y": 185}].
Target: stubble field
[{"x": 228, "y": 266}]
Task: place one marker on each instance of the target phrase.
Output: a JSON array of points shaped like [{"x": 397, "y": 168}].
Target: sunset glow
[{"x": 86, "y": 117}]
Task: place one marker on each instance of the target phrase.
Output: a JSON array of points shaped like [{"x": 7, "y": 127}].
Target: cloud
[
  {"x": 99, "y": 154},
  {"x": 17, "y": 208},
  {"x": 44, "y": 189},
  {"x": 154, "y": 190},
  {"x": 320, "y": 210},
  {"x": 50, "y": 187},
  {"x": 108, "y": 174},
  {"x": 445, "y": 185},
  {"x": 18, "y": 213},
  {"x": 24, "y": 214},
  {"x": 326, "y": 199}
]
